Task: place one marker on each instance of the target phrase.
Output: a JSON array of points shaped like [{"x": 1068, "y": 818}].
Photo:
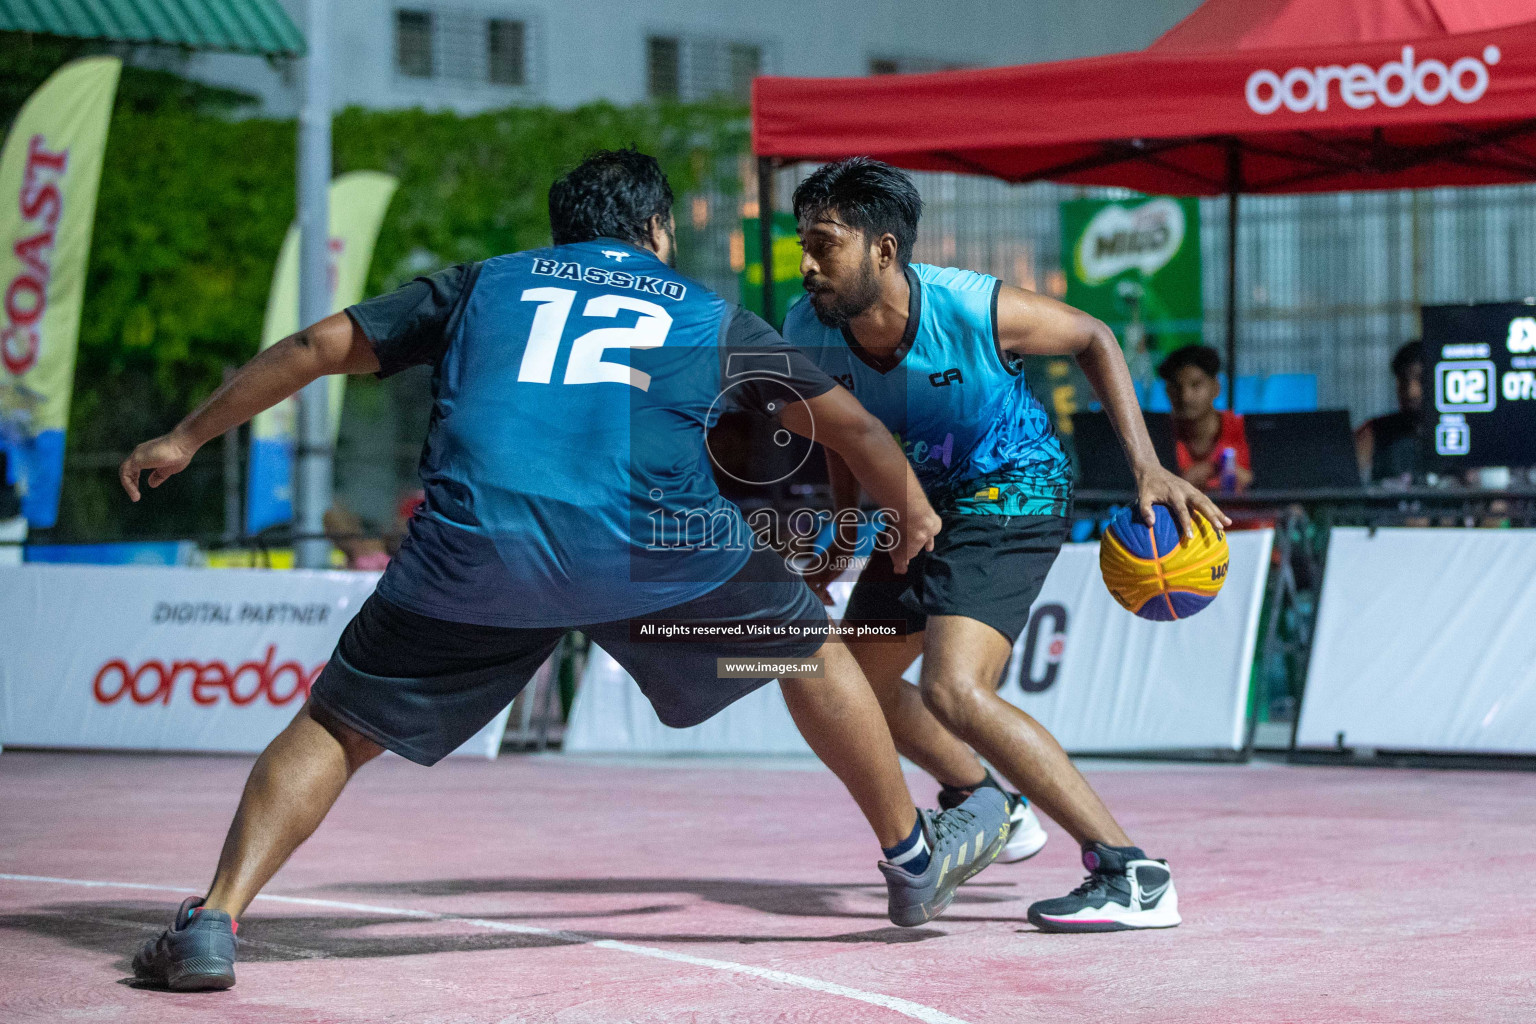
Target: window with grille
[
  {"x": 505, "y": 53},
  {"x": 663, "y": 60},
  {"x": 701, "y": 69},
  {"x": 746, "y": 64},
  {"x": 909, "y": 65},
  {"x": 413, "y": 43},
  {"x": 460, "y": 48}
]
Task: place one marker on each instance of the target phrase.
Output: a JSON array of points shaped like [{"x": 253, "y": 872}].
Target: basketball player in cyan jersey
[
  {"x": 572, "y": 390},
  {"x": 935, "y": 354}
]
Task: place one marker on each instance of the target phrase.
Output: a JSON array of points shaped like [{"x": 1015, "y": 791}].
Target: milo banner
[
  {"x": 358, "y": 201},
  {"x": 49, "y": 172},
  {"x": 786, "y": 267},
  {"x": 1135, "y": 264}
]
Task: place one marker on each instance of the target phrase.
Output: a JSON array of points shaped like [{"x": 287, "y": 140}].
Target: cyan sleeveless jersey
[
  {"x": 978, "y": 439},
  {"x": 565, "y": 470}
]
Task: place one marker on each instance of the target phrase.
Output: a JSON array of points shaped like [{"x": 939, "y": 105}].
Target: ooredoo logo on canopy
[{"x": 1361, "y": 86}]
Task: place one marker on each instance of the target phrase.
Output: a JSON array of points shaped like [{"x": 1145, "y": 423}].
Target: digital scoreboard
[{"x": 1480, "y": 384}]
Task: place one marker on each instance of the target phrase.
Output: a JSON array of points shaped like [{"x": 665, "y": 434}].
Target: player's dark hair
[
  {"x": 1407, "y": 357},
  {"x": 866, "y": 195},
  {"x": 1201, "y": 357},
  {"x": 613, "y": 193}
]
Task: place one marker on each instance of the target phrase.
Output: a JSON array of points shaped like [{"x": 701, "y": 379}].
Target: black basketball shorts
[
  {"x": 987, "y": 568},
  {"x": 422, "y": 686}
]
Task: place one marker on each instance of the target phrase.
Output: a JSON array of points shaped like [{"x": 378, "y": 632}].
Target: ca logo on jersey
[
  {"x": 615, "y": 254},
  {"x": 946, "y": 378}
]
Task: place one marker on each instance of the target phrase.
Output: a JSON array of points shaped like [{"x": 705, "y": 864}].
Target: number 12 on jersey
[{"x": 585, "y": 364}]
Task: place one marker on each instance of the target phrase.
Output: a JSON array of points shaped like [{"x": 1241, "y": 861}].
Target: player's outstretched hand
[
  {"x": 1157, "y": 486},
  {"x": 822, "y": 578},
  {"x": 165, "y": 456},
  {"x": 916, "y": 534}
]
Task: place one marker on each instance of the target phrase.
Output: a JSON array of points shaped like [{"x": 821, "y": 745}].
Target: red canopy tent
[{"x": 1256, "y": 96}]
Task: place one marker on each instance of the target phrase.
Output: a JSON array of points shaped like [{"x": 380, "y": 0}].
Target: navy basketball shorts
[
  {"x": 987, "y": 568},
  {"x": 422, "y": 686}
]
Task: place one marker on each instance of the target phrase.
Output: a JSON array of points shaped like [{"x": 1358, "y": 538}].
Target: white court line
[{"x": 906, "y": 1007}]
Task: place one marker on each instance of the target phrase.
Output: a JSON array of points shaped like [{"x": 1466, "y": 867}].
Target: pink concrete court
[{"x": 553, "y": 889}]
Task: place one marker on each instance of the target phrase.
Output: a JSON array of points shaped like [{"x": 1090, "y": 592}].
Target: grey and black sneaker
[
  {"x": 1124, "y": 890},
  {"x": 961, "y": 842},
  {"x": 1026, "y": 836},
  {"x": 195, "y": 954}
]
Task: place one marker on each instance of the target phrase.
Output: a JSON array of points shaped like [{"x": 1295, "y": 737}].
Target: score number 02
[
  {"x": 586, "y": 364},
  {"x": 1464, "y": 386}
]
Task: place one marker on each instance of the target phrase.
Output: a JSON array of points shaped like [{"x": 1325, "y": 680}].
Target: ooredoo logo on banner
[
  {"x": 151, "y": 658},
  {"x": 208, "y": 681},
  {"x": 1360, "y": 86}
]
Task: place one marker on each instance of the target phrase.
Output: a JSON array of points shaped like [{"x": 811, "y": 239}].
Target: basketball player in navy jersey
[
  {"x": 572, "y": 390},
  {"x": 935, "y": 354}
]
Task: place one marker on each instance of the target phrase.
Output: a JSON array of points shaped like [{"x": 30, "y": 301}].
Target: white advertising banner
[
  {"x": 1101, "y": 679},
  {"x": 169, "y": 659},
  {"x": 1425, "y": 641}
]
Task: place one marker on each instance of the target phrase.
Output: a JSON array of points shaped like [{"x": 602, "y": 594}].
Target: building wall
[{"x": 580, "y": 51}]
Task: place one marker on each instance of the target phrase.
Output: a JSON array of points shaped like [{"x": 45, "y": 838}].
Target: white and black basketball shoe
[
  {"x": 1026, "y": 836},
  {"x": 1124, "y": 890}
]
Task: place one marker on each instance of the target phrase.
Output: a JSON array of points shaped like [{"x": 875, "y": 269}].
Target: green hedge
[{"x": 193, "y": 209}]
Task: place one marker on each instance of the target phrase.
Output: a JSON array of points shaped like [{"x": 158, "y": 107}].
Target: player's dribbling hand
[
  {"x": 916, "y": 533},
  {"x": 821, "y": 579},
  {"x": 1157, "y": 486},
  {"x": 165, "y": 456}
]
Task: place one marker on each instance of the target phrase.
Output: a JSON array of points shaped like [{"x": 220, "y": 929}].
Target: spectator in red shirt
[
  {"x": 345, "y": 530},
  {"x": 1200, "y": 431}
]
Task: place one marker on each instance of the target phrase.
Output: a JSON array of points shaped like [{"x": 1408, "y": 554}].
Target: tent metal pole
[
  {"x": 765, "y": 233},
  {"x": 1234, "y": 187}
]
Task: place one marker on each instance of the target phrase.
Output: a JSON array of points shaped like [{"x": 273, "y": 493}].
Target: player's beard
[
  {"x": 671, "y": 247},
  {"x": 848, "y": 302}
]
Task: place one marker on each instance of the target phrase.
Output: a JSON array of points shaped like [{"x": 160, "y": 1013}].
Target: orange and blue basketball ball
[{"x": 1157, "y": 574}]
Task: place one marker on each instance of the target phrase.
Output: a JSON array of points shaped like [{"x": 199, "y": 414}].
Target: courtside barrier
[
  {"x": 169, "y": 659},
  {"x": 1102, "y": 680},
  {"x": 1425, "y": 641}
]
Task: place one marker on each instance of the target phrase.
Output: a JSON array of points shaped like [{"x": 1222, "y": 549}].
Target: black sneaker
[
  {"x": 195, "y": 954},
  {"x": 1124, "y": 890}
]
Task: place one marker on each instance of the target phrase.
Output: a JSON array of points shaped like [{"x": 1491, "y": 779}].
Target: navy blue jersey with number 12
[{"x": 565, "y": 461}]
